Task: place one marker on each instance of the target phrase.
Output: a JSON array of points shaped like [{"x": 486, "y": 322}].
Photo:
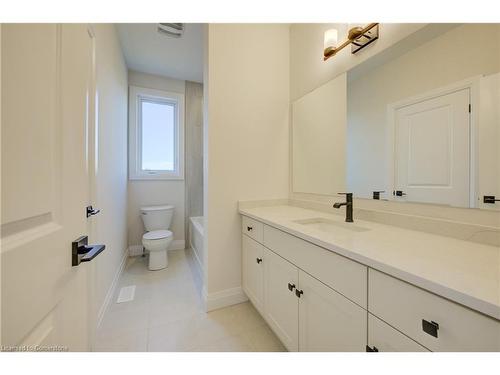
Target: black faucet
[{"x": 348, "y": 206}]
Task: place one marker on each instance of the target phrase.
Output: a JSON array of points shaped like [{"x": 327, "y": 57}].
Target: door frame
[
  {"x": 473, "y": 84},
  {"x": 92, "y": 150}
]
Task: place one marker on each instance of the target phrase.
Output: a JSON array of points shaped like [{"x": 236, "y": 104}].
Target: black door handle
[
  {"x": 491, "y": 199},
  {"x": 91, "y": 211},
  {"x": 291, "y": 287},
  {"x": 82, "y": 252},
  {"x": 376, "y": 194},
  {"x": 430, "y": 328},
  {"x": 259, "y": 260}
]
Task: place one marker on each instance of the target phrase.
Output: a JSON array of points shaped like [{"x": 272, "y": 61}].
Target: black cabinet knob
[
  {"x": 398, "y": 193},
  {"x": 259, "y": 260},
  {"x": 298, "y": 293},
  {"x": 430, "y": 328},
  {"x": 370, "y": 350},
  {"x": 249, "y": 229},
  {"x": 291, "y": 287}
]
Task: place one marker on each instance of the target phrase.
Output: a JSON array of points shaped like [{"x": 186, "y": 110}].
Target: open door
[{"x": 46, "y": 85}]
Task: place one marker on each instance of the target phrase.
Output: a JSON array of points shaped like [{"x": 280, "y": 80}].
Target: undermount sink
[{"x": 327, "y": 225}]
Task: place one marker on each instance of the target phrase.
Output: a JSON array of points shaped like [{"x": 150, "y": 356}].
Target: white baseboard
[
  {"x": 177, "y": 245},
  {"x": 111, "y": 290},
  {"x": 228, "y": 297},
  {"x": 136, "y": 250}
]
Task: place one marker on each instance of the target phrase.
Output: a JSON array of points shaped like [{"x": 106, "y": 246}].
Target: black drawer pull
[
  {"x": 259, "y": 260},
  {"x": 249, "y": 229},
  {"x": 298, "y": 293},
  {"x": 291, "y": 287},
  {"x": 370, "y": 350},
  {"x": 430, "y": 328}
]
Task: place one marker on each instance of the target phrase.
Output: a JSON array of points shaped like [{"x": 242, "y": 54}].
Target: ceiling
[{"x": 148, "y": 51}]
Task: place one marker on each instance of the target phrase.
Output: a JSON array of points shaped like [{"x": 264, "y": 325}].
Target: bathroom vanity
[{"x": 326, "y": 285}]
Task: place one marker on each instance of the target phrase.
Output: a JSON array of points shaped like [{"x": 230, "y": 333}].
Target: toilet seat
[{"x": 157, "y": 235}]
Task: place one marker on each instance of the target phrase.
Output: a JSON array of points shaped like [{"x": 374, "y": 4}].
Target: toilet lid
[{"x": 157, "y": 234}]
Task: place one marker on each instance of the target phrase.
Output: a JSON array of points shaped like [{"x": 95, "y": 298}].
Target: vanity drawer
[
  {"x": 414, "y": 311},
  {"x": 341, "y": 274},
  {"x": 252, "y": 228}
]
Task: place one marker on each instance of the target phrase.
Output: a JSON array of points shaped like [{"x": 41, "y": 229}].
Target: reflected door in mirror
[{"x": 432, "y": 145}]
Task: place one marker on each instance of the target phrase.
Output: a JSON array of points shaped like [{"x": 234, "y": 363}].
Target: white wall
[
  {"x": 154, "y": 192},
  {"x": 307, "y": 68},
  {"x": 449, "y": 58},
  {"x": 247, "y": 141},
  {"x": 111, "y": 189}
]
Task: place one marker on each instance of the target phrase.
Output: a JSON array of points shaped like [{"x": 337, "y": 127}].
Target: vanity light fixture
[{"x": 359, "y": 37}]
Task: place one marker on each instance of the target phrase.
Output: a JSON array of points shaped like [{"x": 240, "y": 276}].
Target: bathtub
[{"x": 196, "y": 234}]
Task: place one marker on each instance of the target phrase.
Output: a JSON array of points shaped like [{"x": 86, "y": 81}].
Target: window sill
[{"x": 156, "y": 178}]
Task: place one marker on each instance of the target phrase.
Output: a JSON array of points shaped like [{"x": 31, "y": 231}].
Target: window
[{"x": 156, "y": 141}]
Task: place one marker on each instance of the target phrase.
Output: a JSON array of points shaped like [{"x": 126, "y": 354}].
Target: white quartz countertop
[{"x": 465, "y": 272}]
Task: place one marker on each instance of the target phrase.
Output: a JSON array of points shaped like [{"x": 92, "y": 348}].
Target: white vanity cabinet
[
  {"x": 433, "y": 321},
  {"x": 318, "y": 300},
  {"x": 305, "y": 313},
  {"x": 327, "y": 320},
  {"x": 383, "y": 338},
  {"x": 253, "y": 271},
  {"x": 281, "y": 308}
]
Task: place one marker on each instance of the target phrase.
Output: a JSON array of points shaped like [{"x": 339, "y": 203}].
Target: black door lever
[
  {"x": 91, "y": 211},
  {"x": 82, "y": 252},
  {"x": 491, "y": 199}
]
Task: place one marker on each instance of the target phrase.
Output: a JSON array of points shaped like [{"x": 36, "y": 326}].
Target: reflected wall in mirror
[
  {"x": 422, "y": 122},
  {"x": 319, "y": 139}
]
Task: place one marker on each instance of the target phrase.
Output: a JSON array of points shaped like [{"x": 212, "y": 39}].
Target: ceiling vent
[{"x": 174, "y": 30}]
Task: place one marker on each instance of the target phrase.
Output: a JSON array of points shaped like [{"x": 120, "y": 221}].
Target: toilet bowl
[{"x": 157, "y": 239}]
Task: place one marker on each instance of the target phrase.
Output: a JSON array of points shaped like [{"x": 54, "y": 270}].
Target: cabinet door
[
  {"x": 384, "y": 338},
  {"x": 281, "y": 303},
  {"x": 327, "y": 320},
  {"x": 253, "y": 272}
]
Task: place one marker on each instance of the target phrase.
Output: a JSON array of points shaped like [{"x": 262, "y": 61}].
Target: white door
[
  {"x": 281, "y": 303},
  {"x": 432, "y": 150},
  {"x": 253, "y": 272},
  {"x": 45, "y": 83},
  {"x": 327, "y": 320},
  {"x": 384, "y": 338}
]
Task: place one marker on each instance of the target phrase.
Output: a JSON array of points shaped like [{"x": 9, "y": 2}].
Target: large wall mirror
[{"x": 422, "y": 123}]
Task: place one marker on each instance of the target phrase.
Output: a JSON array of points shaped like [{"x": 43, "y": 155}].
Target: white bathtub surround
[
  {"x": 196, "y": 235},
  {"x": 461, "y": 271}
]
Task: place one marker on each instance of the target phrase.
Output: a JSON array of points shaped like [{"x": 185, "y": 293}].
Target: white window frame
[{"x": 136, "y": 94}]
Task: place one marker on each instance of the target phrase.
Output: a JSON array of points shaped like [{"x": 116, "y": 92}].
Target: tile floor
[{"x": 167, "y": 315}]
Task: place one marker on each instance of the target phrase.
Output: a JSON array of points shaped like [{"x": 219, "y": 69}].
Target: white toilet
[{"x": 157, "y": 239}]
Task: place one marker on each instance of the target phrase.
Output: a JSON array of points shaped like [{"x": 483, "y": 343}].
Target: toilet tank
[{"x": 157, "y": 217}]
